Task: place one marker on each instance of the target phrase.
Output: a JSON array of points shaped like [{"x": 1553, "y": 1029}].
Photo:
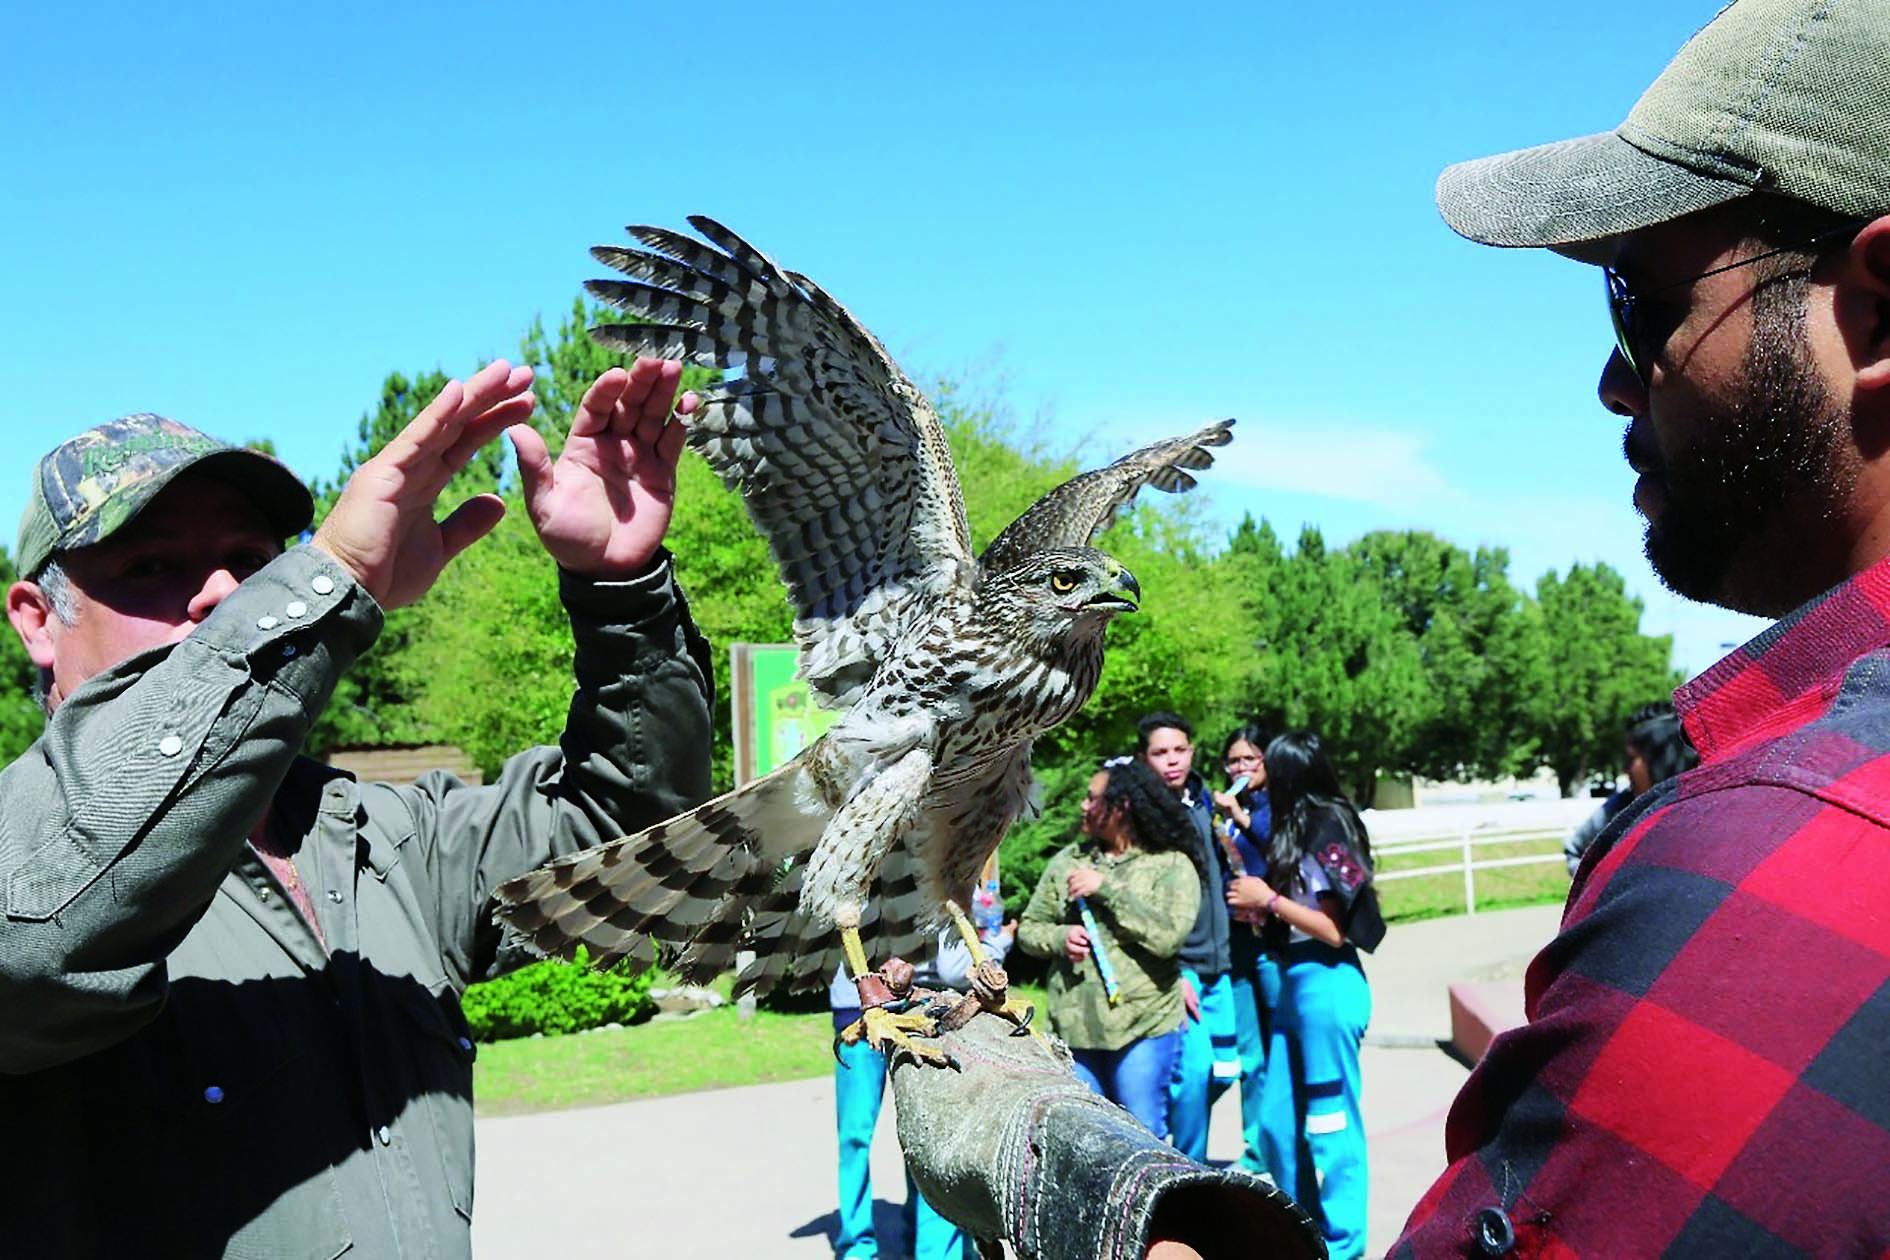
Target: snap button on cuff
[
  {"x": 267, "y": 623},
  {"x": 170, "y": 745},
  {"x": 322, "y": 584},
  {"x": 296, "y": 608}
]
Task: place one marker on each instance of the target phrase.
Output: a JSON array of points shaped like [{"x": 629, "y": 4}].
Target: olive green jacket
[
  {"x": 1143, "y": 911},
  {"x": 184, "y": 1068}
]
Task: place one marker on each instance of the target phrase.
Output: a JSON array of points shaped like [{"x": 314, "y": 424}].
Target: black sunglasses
[{"x": 1622, "y": 299}]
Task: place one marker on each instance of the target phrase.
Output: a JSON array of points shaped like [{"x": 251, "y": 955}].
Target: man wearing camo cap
[
  {"x": 1703, "y": 1073},
  {"x": 230, "y": 975}
]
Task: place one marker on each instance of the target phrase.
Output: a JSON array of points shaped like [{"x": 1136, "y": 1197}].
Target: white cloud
[
  {"x": 1389, "y": 468},
  {"x": 1385, "y": 468}
]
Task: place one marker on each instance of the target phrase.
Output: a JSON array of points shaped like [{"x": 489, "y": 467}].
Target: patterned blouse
[{"x": 1143, "y": 911}]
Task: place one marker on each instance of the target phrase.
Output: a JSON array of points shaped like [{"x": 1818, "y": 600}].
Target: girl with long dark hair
[
  {"x": 1319, "y": 909},
  {"x": 1134, "y": 874}
]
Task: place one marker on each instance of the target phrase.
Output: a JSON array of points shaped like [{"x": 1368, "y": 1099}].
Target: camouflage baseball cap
[
  {"x": 86, "y": 489},
  {"x": 1779, "y": 96}
]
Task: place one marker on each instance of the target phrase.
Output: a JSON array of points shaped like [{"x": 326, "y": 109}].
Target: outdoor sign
[{"x": 774, "y": 714}]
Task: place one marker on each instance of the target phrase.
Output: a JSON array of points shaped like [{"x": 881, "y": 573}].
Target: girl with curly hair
[{"x": 1122, "y": 897}]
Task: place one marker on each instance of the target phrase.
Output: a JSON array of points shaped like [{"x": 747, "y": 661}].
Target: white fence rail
[{"x": 1464, "y": 845}]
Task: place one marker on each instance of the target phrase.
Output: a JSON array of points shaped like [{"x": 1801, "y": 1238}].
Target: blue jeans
[
  {"x": 1313, "y": 1134},
  {"x": 1135, "y": 1077},
  {"x": 1256, "y": 982},
  {"x": 1208, "y": 1063},
  {"x": 859, "y": 1086}
]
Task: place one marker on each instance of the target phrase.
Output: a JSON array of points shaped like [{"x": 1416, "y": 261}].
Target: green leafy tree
[
  {"x": 1345, "y": 664},
  {"x": 1593, "y": 666},
  {"x": 1454, "y": 605}
]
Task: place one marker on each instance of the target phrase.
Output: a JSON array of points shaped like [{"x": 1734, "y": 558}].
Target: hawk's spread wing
[
  {"x": 839, "y": 458},
  {"x": 1082, "y": 507}
]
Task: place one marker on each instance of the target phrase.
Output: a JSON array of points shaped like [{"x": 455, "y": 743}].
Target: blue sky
[{"x": 1127, "y": 220}]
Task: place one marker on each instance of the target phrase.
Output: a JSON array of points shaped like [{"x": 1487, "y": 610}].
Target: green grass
[
  {"x": 1432, "y": 896},
  {"x": 714, "y": 1050}
]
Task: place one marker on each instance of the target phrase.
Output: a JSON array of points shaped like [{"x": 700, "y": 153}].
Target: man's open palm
[{"x": 602, "y": 509}]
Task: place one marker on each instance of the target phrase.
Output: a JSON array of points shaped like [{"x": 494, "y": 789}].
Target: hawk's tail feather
[
  {"x": 795, "y": 954},
  {"x": 648, "y": 896}
]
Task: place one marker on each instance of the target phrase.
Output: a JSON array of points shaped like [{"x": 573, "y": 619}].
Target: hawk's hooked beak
[{"x": 1121, "y": 597}]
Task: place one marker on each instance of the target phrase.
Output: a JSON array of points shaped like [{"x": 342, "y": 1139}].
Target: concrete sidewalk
[{"x": 749, "y": 1172}]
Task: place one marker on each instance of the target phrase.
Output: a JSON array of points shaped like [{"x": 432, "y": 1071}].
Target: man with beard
[{"x": 1702, "y": 1073}]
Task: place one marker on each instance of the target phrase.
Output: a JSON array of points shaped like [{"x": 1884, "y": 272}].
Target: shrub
[{"x": 555, "y": 997}]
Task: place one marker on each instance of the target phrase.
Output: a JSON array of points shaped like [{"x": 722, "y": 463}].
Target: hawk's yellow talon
[{"x": 892, "y": 1035}]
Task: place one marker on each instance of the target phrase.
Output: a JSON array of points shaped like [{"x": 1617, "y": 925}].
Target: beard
[{"x": 1779, "y": 453}]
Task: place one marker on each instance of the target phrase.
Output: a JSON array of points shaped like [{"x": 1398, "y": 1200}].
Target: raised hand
[
  {"x": 603, "y": 508},
  {"x": 382, "y": 529}
]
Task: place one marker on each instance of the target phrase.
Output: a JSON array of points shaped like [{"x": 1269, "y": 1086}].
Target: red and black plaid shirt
[{"x": 1706, "y": 1067}]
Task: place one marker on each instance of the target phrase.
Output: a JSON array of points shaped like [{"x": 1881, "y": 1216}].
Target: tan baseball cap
[{"x": 1781, "y": 96}]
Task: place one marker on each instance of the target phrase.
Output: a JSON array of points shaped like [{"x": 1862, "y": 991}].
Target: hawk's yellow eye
[{"x": 1062, "y": 583}]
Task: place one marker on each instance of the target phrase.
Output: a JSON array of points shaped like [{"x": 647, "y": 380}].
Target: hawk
[{"x": 943, "y": 665}]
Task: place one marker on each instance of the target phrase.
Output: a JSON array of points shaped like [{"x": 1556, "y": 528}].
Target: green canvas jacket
[
  {"x": 1143, "y": 912},
  {"x": 185, "y": 1070}
]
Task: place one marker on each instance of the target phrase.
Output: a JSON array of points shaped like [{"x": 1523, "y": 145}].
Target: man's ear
[
  {"x": 32, "y": 615},
  {"x": 1864, "y": 310}
]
